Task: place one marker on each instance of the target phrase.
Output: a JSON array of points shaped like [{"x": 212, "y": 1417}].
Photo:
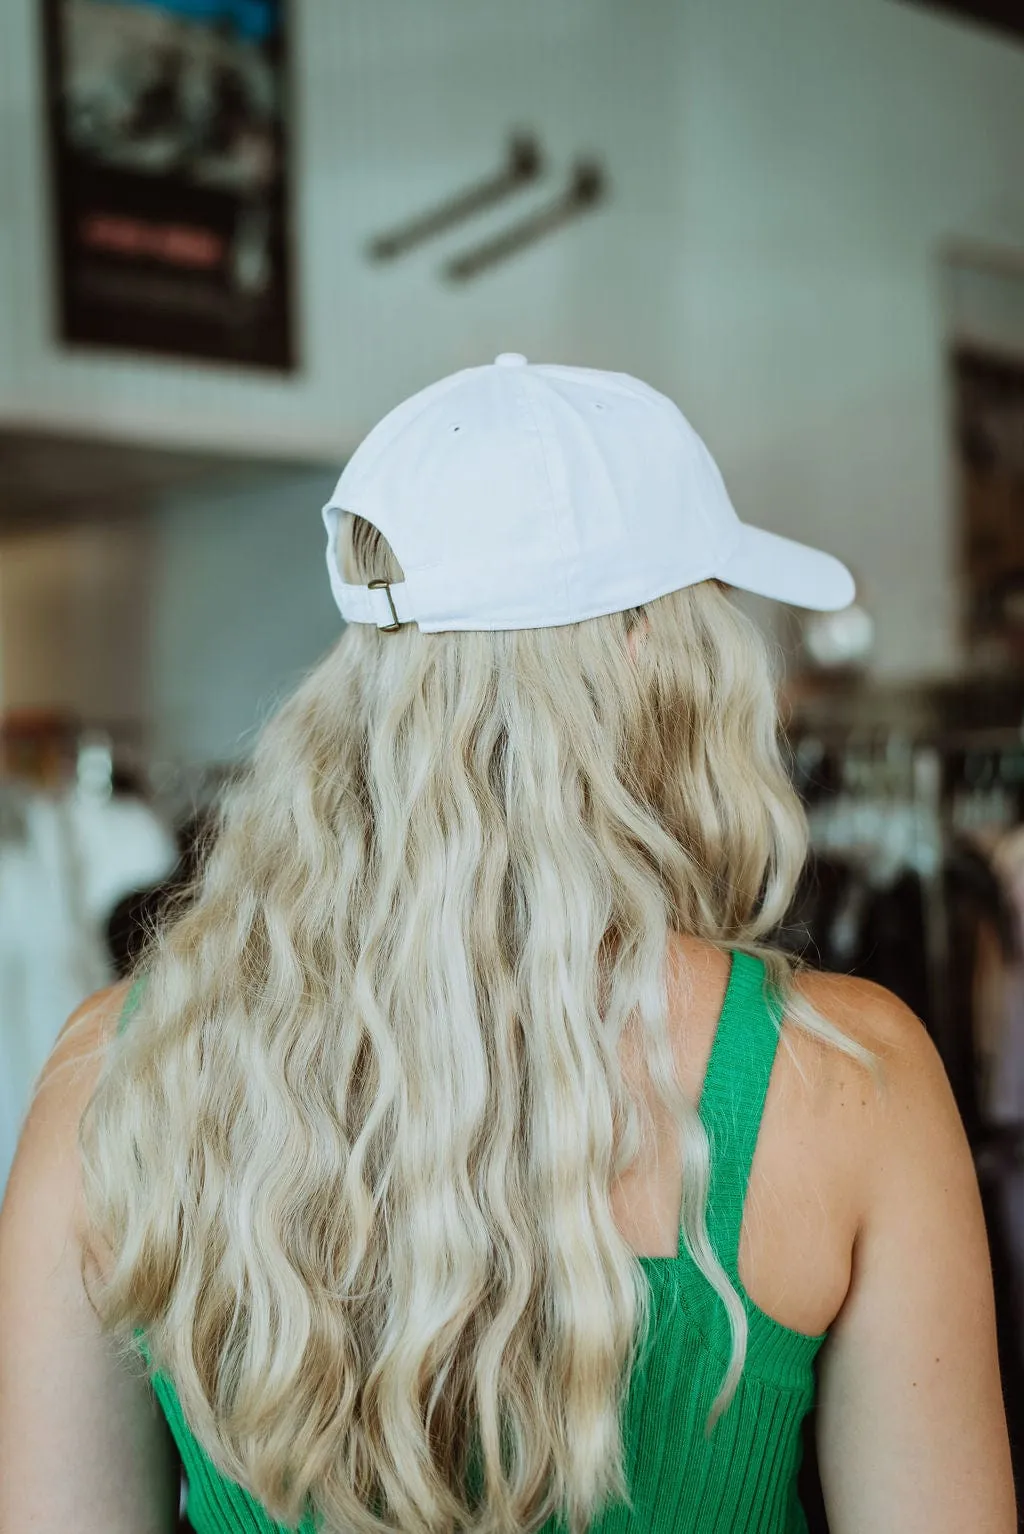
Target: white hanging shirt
[{"x": 58, "y": 884}]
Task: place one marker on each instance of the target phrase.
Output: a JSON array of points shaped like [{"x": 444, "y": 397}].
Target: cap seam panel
[{"x": 541, "y": 438}]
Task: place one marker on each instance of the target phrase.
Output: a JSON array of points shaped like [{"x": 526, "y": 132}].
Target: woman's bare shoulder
[
  {"x": 73, "y": 1066},
  {"x": 98, "y": 1016},
  {"x": 911, "y": 1430},
  {"x": 82, "y": 1042},
  {"x": 869, "y": 1117},
  {"x": 875, "y": 1019},
  {"x": 80, "y": 1443}
]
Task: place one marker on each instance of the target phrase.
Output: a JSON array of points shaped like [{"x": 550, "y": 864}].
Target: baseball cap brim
[{"x": 771, "y": 566}]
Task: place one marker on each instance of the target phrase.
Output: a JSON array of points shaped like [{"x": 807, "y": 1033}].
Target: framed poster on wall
[
  {"x": 989, "y": 417},
  {"x": 170, "y": 188}
]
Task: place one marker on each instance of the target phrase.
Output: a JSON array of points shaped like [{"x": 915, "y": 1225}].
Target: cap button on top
[{"x": 510, "y": 360}]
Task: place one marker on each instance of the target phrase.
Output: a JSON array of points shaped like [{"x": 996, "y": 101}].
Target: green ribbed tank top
[{"x": 742, "y": 1478}]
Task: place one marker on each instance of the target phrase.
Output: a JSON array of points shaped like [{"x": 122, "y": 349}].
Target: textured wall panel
[{"x": 397, "y": 103}]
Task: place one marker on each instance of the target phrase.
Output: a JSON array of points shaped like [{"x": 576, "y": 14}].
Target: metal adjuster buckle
[{"x": 386, "y": 628}]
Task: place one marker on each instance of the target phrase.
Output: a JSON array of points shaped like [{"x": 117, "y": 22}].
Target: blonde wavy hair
[{"x": 350, "y": 1165}]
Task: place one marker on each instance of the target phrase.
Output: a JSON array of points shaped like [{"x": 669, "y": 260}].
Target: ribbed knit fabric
[{"x": 740, "y": 1479}]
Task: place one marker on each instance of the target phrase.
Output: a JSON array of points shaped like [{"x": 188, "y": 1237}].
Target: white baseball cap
[{"x": 525, "y": 495}]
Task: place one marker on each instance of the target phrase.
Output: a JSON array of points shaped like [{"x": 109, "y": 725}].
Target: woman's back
[
  {"x": 803, "y": 1202},
  {"x": 798, "y": 1142},
  {"x": 682, "y": 1479},
  {"x": 861, "y": 1222},
  {"x": 844, "y": 1184}
]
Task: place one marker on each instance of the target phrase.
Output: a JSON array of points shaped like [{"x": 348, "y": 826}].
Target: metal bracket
[
  {"x": 524, "y": 164},
  {"x": 587, "y": 187}
]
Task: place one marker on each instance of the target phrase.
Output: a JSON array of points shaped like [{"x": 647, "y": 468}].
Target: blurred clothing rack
[
  {"x": 886, "y": 797},
  {"x": 940, "y": 792},
  {"x": 52, "y": 751}
]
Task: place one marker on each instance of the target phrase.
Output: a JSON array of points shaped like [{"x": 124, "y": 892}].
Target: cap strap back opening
[{"x": 385, "y": 586}]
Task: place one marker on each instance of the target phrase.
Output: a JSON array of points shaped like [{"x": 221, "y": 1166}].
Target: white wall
[
  {"x": 832, "y": 148},
  {"x": 398, "y": 103},
  {"x": 785, "y": 173},
  {"x": 186, "y": 623},
  {"x": 13, "y": 131},
  {"x": 75, "y": 606},
  {"x": 241, "y": 608}
]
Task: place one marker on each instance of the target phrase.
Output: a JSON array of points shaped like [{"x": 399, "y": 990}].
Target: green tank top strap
[
  {"x": 733, "y": 1097},
  {"x": 131, "y": 1003}
]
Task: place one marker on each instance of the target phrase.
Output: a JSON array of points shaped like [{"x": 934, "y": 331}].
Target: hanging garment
[
  {"x": 842, "y": 920},
  {"x": 1002, "y": 1075},
  {"x": 982, "y": 945},
  {"x": 1005, "y": 1085},
  {"x": 139, "y": 912},
  {"x": 58, "y": 881}
]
